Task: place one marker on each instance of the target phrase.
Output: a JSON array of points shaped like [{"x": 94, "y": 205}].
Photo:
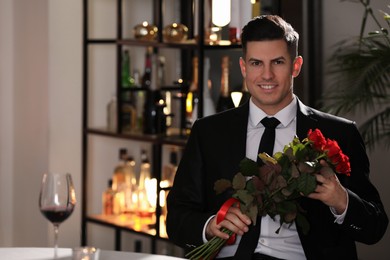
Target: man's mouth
[{"x": 267, "y": 86}]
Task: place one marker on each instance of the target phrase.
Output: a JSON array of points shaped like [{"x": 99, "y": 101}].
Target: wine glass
[{"x": 57, "y": 200}]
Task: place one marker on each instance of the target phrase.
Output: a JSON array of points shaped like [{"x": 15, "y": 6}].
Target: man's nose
[{"x": 267, "y": 73}]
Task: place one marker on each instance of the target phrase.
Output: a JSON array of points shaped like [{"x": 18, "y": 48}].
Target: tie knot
[{"x": 270, "y": 122}]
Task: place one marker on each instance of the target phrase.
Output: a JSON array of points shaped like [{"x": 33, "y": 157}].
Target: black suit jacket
[{"x": 216, "y": 146}]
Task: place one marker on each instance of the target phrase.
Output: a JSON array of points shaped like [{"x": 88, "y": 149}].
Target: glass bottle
[
  {"x": 119, "y": 181},
  {"x": 209, "y": 105},
  {"x": 128, "y": 110},
  {"x": 192, "y": 95},
  {"x": 127, "y": 80},
  {"x": 224, "y": 101},
  {"x": 154, "y": 118},
  {"x": 245, "y": 93},
  {"x": 108, "y": 198},
  {"x": 147, "y": 76},
  {"x": 138, "y": 101},
  {"x": 112, "y": 117},
  {"x": 169, "y": 170},
  {"x": 131, "y": 185},
  {"x": 144, "y": 206},
  {"x": 129, "y": 116}
]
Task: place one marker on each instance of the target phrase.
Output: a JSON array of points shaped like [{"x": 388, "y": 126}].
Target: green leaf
[
  {"x": 251, "y": 186},
  {"x": 286, "y": 192},
  {"x": 294, "y": 171},
  {"x": 290, "y": 217},
  {"x": 244, "y": 197},
  {"x": 239, "y": 181},
  {"x": 222, "y": 185},
  {"x": 306, "y": 167},
  {"x": 289, "y": 152},
  {"x": 284, "y": 162},
  {"x": 248, "y": 167},
  {"x": 252, "y": 214},
  {"x": 306, "y": 183},
  {"x": 255, "y": 184},
  {"x": 287, "y": 206},
  {"x": 267, "y": 159},
  {"x": 302, "y": 223}
]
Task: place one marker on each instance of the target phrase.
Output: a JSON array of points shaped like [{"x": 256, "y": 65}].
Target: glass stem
[{"x": 56, "y": 227}]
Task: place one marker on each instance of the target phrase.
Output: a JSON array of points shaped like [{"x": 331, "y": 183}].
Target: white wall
[
  {"x": 342, "y": 19},
  {"x": 30, "y": 110},
  {"x": 40, "y": 112},
  {"x": 6, "y": 119},
  {"x": 40, "y": 130}
]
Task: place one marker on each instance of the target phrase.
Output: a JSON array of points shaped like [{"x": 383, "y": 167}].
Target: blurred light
[
  {"x": 221, "y": 12},
  {"x": 236, "y": 97}
]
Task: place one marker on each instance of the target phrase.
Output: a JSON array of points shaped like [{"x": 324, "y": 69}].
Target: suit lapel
[
  {"x": 239, "y": 125},
  {"x": 305, "y": 120}
]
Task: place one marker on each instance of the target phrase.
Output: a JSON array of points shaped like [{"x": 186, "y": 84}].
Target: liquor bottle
[
  {"x": 127, "y": 80},
  {"x": 108, "y": 199},
  {"x": 112, "y": 117},
  {"x": 129, "y": 116},
  {"x": 224, "y": 101},
  {"x": 131, "y": 185},
  {"x": 154, "y": 118},
  {"x": 128, "y": 110},
  {"x": 144, "y": 207},
  {"x": 161, "y": 73},
  {"x": 245, "y": 93},
  {"x": 208, "y": 103},
  {"x": 147, "y": 77},
  {"x": 192, "y": 98},
  {"x": 119, "y": 180},
  {"x": 139, "y": 101},
  {"x": 169, "y": 170}
]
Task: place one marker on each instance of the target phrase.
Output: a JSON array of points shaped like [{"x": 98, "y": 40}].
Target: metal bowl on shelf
[
  {"x": 175, "y": 32},
  {"x": 145, "y": 31}
]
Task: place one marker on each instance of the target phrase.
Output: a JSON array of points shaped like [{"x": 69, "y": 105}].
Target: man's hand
[
  {"x": 330, "y": 191},
  {"x": 234, "y": 220}
]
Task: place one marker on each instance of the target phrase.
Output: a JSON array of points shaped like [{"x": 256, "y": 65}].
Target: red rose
[
  {"x": 317, "y": 139},
  {"x": 343, "y": 165},
  {"x": 332, "y": 148},
  {"x": 335, "y": 159}
]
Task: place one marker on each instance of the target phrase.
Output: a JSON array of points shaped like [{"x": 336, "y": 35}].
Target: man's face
[{"x": 269, "y": 71}]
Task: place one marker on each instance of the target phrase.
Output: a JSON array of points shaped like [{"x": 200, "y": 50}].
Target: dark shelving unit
[{"x": 187, "y": 50}]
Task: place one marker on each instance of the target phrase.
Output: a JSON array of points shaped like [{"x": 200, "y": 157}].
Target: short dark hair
[{"x": 270, "y": 27}]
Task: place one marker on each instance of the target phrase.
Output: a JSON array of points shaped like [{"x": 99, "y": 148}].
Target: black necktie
[
  {"x": 268, "y": 138},
  {"x": 250, "y": 239}
]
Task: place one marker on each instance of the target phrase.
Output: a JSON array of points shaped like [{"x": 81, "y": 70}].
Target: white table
[{"x": 38, "y": 253}]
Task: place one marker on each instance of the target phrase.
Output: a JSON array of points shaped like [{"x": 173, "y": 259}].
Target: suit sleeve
[
  {"x": 365, "y": 220},
  {"x": 186, "y": 200}
]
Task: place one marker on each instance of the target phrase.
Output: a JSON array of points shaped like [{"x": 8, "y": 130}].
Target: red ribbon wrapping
[{"x": 222, "y": 213}]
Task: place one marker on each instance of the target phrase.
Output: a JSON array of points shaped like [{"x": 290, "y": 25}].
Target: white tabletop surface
[{"x": 38, "y": 253}]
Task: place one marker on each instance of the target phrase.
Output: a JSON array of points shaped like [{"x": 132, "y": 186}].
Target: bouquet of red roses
[{"x": 274, "y": 187}]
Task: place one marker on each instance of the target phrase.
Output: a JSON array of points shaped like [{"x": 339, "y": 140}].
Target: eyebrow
[{"x": 275, "y": 59}]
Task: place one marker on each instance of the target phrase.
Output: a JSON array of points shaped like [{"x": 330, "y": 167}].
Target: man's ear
[
  {"x": 242, "y": 67},
  {"x": 297, "y": 65}
]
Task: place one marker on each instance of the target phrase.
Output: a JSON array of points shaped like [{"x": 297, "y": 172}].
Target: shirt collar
[{"x": 285, "y": 116}]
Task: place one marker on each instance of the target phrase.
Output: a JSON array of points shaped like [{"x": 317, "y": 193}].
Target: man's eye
[
  {"x": 279, "y": 62},
  {"x": 255, "y": 63}
]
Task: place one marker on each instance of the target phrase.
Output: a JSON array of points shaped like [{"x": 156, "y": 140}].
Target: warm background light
[
  {"x": 236, "y": 97},
  {"x": 221, "y": 12}
]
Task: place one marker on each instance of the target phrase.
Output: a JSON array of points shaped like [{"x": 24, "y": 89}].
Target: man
[{"x": 342, "y": 210}]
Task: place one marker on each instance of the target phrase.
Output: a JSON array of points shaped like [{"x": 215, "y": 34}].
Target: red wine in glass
[
  {"x": 57, "y": 200},
  {"x": 56, "y": 215}
]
